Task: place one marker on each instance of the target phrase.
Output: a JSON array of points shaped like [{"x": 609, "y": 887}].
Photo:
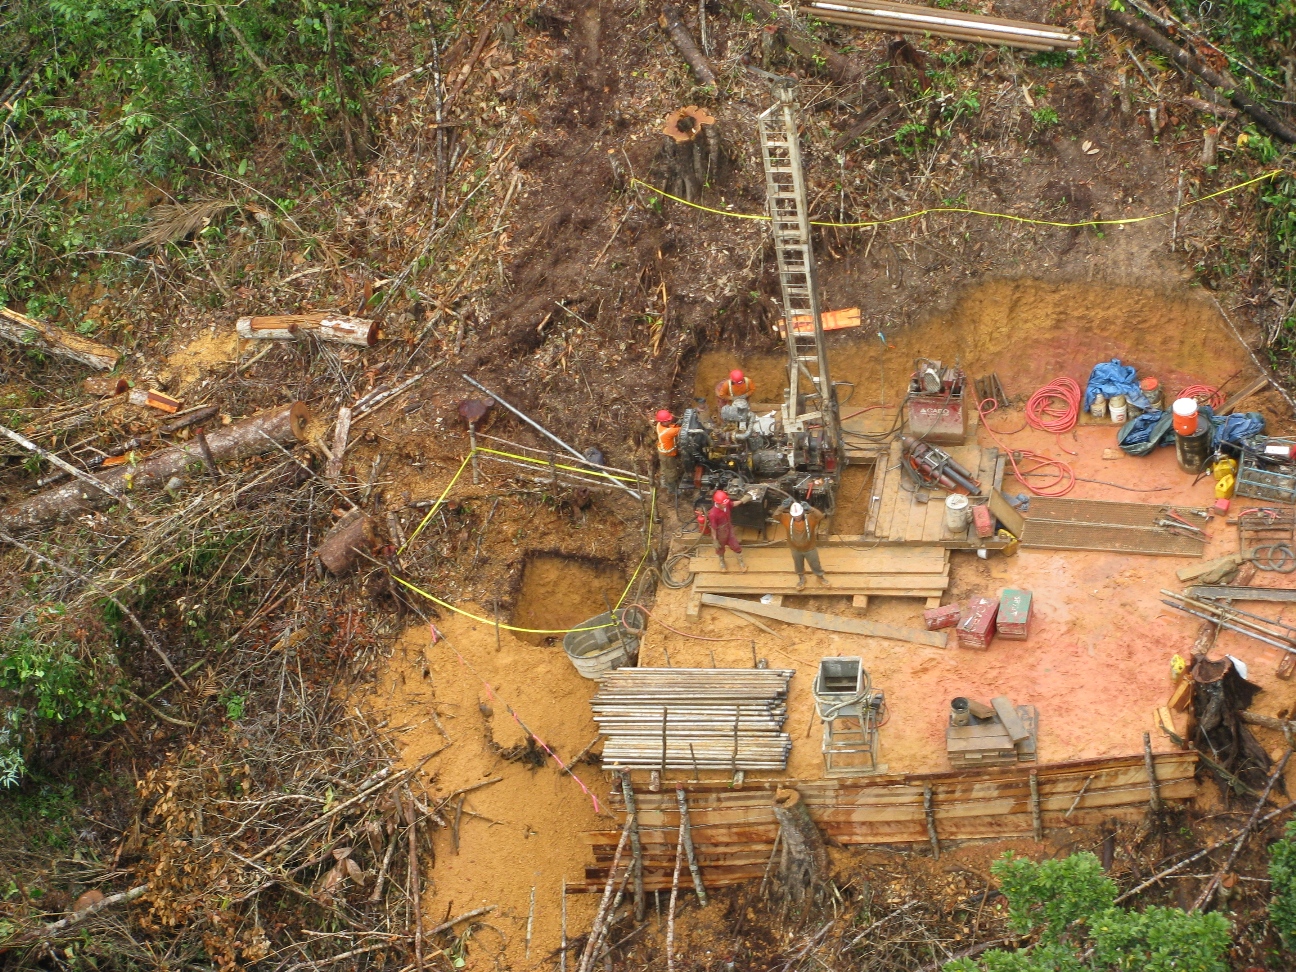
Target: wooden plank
[
  {"x": 1246, "y": 392},
  {"x": 860, "y": 602},
  {"x": 1011, "y": 520},
  {"x": 880, "y": 475},
  {"x": 1007, "y": 714},
  {"x": 880, "y": 560},
  {"x": 832, "y": 622},
  {"x": 934, "y": 525},
  {"x": 924, "y": 585},
  {"x": 891, "y": 495}
]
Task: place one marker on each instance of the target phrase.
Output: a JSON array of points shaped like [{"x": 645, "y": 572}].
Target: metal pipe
[
  {"x": 1232, "y": 627},
  {"x": 545, "y": 432},
  {"x": 923, "y": 20}
]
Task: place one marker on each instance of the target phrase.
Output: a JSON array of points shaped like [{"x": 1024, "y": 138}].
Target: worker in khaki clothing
[{"x": 801, "y": 522}]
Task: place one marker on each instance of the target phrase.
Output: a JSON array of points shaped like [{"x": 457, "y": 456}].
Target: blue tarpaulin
[
  {"x": 1113, "y": 378},
  {"x": 1143, "y": 433}
]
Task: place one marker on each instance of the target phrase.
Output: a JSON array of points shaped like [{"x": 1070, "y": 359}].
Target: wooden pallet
[
  {"x": 897, "y": 517},
  {"x": 878, "y": 572}
]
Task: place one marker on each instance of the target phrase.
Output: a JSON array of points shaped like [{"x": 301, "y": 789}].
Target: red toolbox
[
  {"x": 946, "y": 617},
  {"x": 983, "y": 521},
  {"x": 1014, "y": 617},
  {"x": 977, "y": 628}
]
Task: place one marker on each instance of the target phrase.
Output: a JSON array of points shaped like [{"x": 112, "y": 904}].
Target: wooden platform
[
  {"x": 897, "y": 516},
  {"x": 879, "y": 424},
  {"x": 1059, "y": 523},
  {"x": 733, "y": 829},
  {"x": 921, "y": 572}
]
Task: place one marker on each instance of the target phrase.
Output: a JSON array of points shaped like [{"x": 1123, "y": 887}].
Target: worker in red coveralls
[
  {"x": 718, "y": 520},
  {"x": 737, "y": 385}
]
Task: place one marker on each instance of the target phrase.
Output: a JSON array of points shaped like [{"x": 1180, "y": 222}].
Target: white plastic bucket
[
  {"x": 957, "y": 513},
  {"x": 1116, "y": 408}
]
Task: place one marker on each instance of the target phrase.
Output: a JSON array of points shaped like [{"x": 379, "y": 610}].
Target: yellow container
[{"x": 1225, "y": 473}]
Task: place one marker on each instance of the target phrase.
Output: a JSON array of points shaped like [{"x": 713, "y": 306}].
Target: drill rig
[{"x": 797, "y": 449}]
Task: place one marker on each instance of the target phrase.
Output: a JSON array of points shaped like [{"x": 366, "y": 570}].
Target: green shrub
[
  {"x": 1282, "y": 871},
  {"x": 1053, "y": 894},
  {"x": 45, "y": 682},
  {"x": 1071, "y": 904}
]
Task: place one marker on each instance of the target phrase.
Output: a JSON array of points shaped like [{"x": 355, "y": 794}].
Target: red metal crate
[
  {"x": 977, "y": 628},
  {"x": 1014, "y": 617},
  {"x": 983, "y": 521},
  {"x": 946, "y": 617}
]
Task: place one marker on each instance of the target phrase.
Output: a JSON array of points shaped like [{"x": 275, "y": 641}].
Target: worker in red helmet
[
  {"x": 719, "y": 520},
  {"x": 668, "y": 460},
  {"x": 737, "y": 385}
]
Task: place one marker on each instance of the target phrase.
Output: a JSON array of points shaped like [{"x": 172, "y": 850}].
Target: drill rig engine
[{"x": 745, "y": 449}]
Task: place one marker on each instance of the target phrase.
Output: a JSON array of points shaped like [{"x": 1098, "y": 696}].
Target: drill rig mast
[{"x": 810, "y": 410}]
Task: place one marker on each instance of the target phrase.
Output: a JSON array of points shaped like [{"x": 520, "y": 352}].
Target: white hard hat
[{"x": 797, "y": 510}]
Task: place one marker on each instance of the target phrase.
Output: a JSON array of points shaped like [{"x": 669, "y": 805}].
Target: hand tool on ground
[{"x": 1174, "y": 523}]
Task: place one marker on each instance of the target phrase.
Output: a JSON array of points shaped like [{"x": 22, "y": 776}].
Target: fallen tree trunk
[
  {"x": 252, "y": 436},
  {"x": 1190, "y": 62},
  {"x": 21, "y": 329},
  {"x": 671, "y": 22},
  {"x": 334, "y": 328},
  {"x": 823, "y": 58}
]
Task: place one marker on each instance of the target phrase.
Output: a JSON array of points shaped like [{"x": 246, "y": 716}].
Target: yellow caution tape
[
  {"x": 558, "y": 465},
  {"x": 437, "y": 505},
  {"x": 935, "y": 210}
]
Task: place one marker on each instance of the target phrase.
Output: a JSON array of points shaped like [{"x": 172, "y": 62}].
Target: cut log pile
[
  {"x": 694, "y": 718},
  {"x": 733, "y": 830}
]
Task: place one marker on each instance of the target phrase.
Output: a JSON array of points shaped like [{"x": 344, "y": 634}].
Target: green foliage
[
  {"x": 1070, "y": 903},
  {"x": 911, "y": 138},
  {"x": 107, "y": 98},
  {"x": 1049, "y": 59},
  {"x": 1045, "y": 116},
  {"x": 1055, "y": 893},
  {"x": 1282, "y": 871},
  {"x": 44, "y": 682},
  {"x": 1160, "y": 940}
]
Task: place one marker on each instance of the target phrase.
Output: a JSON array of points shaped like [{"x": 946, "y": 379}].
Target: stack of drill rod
[
  {"x": 1271, "y": 631},
  {"x": 694, "y": 718},
  {"x": 903, "y": 18}
]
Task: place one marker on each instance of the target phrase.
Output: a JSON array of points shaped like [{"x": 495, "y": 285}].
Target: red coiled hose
[
  {"x": 1054, "y": 408},
  {"x": 1206, "y": 394}
]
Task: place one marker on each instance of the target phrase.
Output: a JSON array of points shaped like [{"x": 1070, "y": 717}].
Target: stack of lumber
[
  {"x": 694, "y": 718},
  {"x": 1007, "y": 736},
  {"x": 733, "y": 829},
  {"x": 880, "y": 572}
]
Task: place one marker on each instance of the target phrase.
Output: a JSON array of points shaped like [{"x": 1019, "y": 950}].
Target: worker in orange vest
[
  {"x": 668, "y": 460},
  {"x": 737, "y": 385},
  {"x": 801, "y": 522}
]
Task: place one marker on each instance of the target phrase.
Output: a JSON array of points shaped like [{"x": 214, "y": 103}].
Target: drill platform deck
[{"x": 921, "y": 572}]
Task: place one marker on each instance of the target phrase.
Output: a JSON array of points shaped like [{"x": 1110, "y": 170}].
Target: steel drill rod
[
  {"x": 1232, "y": 627},
  {"x": 1234, "y": 613}
]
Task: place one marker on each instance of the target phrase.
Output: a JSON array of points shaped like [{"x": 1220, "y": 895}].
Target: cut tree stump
[
  {"x": 343, "y": 546},
  {"x": 254, "y": 435},
  {"x": 803, "y": 862}
]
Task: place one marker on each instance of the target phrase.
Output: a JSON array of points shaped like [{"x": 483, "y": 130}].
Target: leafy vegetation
[
  {"x": 1282, "y": 871},
  {"x": 1070, "y": 905},
  {"x": 45, "y": 682},
  {"x": 106, "y": 105}
]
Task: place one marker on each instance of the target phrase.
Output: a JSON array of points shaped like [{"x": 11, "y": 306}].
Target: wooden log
[
  {"x": 804, "y": 860},
  {"x": 819, "y": 55},
  {"x": 349, "y": 330},
  {"x": 929, "y": 812},
  {"x": 342, "y": 547},
  {"x": 21, "y": 329},
  {"x": 105, "y": 386},
  {"x": 266, "y": 328},
  {"x": 254, "y": 435},
  {"x": 671, "y": 22},
  {"x": 1190, "y": 62},
  {"x": 340, "y": 433}
]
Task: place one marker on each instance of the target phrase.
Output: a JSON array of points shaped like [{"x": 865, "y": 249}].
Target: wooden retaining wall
[{"x": 734, "y": 829}]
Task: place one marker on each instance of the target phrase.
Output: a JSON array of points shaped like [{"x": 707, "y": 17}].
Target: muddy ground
[{"x": 589, "y": 302}]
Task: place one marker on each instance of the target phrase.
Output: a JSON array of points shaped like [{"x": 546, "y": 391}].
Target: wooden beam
[
  {"x": 1007, "y": 714},
  {"x": 829, "y": 622}
]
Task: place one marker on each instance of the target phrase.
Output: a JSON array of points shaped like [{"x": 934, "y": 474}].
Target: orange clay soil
[{"x": 1096, "y": 664}]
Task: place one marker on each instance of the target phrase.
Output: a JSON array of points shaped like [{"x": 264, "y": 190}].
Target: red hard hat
[
  {"x": 736, "y": 375},
  {"x": 665, "y": 416},
  {"x": 721, "y": 498}
]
